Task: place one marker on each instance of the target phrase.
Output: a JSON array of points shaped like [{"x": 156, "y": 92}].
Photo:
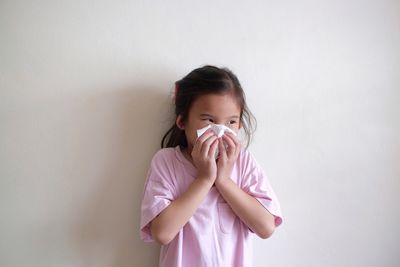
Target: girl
[{"x": 202, "y": 209}]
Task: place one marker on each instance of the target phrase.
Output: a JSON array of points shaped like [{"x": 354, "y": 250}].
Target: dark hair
[{"x": 202, "y": 81}]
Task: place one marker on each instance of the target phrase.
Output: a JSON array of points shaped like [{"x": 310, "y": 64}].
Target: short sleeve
[
  {"x": 256, "y": 184},
  {"x": 158, "y": 194}
]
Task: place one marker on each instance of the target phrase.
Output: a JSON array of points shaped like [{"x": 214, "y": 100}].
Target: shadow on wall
[{"x": 131, "y": 127}]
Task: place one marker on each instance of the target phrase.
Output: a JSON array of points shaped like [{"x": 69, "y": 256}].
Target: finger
[
  {"x": 234, "y": 139},
  {"x": 208, "y": 131},
  {"x": 221, "y": 148},
  {"x": 203, "y": 137},
  {"x": 238, "y": 145},
  {"x": 213, "y": 148},
  {"x": 205, "y": 146},
  {"x": 231, "y": 150},
  {"x": 232, "y": 136}
]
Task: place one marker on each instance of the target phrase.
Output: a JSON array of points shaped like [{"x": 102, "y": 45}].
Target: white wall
[{"x": 85, "y": 97}]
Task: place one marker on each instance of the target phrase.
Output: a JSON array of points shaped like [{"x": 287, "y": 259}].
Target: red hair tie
[{"x": 176, "y": 90}]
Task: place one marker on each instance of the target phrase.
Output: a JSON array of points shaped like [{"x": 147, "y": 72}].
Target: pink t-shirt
[{"x": 214, "y": 235}]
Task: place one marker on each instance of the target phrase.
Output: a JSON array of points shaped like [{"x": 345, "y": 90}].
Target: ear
[{"x": 179, "y": 122}]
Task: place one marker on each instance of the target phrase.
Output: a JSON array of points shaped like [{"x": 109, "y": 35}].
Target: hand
[
  {"x": 203, "y": 156},
  {"x": 228, "y": 155}
]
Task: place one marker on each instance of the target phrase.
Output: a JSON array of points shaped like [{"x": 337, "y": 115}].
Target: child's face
[{"x": 211, "y": 108}]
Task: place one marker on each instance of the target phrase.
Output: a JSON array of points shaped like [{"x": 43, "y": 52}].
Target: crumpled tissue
[{"x": 219, "y": 130}]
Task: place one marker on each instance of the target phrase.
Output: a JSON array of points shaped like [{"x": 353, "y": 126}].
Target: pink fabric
[{"x": 214, "y": 235}]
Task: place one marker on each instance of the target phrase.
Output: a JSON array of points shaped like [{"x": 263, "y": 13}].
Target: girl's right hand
[{"x": 203, "y": 156}]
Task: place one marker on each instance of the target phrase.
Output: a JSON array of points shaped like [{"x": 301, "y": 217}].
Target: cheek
[
  {"x": 235, "y": 128},
  {"x": 191, "y": 137}
]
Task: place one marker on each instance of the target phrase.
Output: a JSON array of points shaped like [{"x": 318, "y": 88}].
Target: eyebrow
[
  {"x": 234, "y": 117},
  {"x": 209, "y": 115},
  {"x": 205, "y": 115}
]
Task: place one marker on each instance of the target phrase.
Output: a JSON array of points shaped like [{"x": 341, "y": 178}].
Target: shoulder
[
  {"x": 162, "y": 165},
  {"x": 247, "y": 163},
  {"x": 246, "y": 158},
  {"x": 165, "y": 158},
  {"x": 164, "y": 154}
]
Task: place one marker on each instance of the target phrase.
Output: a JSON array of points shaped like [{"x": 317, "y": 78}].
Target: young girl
[{"x": 205, "y": 196}]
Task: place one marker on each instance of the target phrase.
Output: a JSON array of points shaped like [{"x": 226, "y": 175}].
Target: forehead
[{"x": 218, "y": 105}]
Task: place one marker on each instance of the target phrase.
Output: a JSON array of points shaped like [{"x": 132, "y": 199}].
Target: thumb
[{"x": 221, "y": 149}]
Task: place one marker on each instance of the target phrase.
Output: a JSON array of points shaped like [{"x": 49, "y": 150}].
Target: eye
[
  {"x": 210, "y": 120},
  {"x": 232, "y": 122}
]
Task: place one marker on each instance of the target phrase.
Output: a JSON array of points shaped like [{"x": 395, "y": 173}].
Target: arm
[
  {"x": 168, "y": 223},
  {"x": 246, "y": 207}
]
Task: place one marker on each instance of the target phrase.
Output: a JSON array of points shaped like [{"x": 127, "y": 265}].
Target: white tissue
[{"x": 219, "y": 130}]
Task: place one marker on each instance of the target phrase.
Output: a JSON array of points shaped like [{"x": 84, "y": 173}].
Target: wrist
[
  {"x": 222, "y": 181},
  {"x": 205, "y": 180}
]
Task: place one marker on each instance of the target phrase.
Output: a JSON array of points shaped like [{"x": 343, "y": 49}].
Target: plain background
[{"x": 86, "y": 96}]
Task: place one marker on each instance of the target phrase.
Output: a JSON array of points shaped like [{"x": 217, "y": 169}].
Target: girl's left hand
[{"x": 227, "y": 156}]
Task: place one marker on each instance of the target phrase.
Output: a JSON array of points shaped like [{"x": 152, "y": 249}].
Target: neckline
[{"x": 191, "y": 169}]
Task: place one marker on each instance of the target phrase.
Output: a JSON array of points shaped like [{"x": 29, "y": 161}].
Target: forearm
[
  {"x": 247, "y": 208},
  {"x": 168, "y": 223}
]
